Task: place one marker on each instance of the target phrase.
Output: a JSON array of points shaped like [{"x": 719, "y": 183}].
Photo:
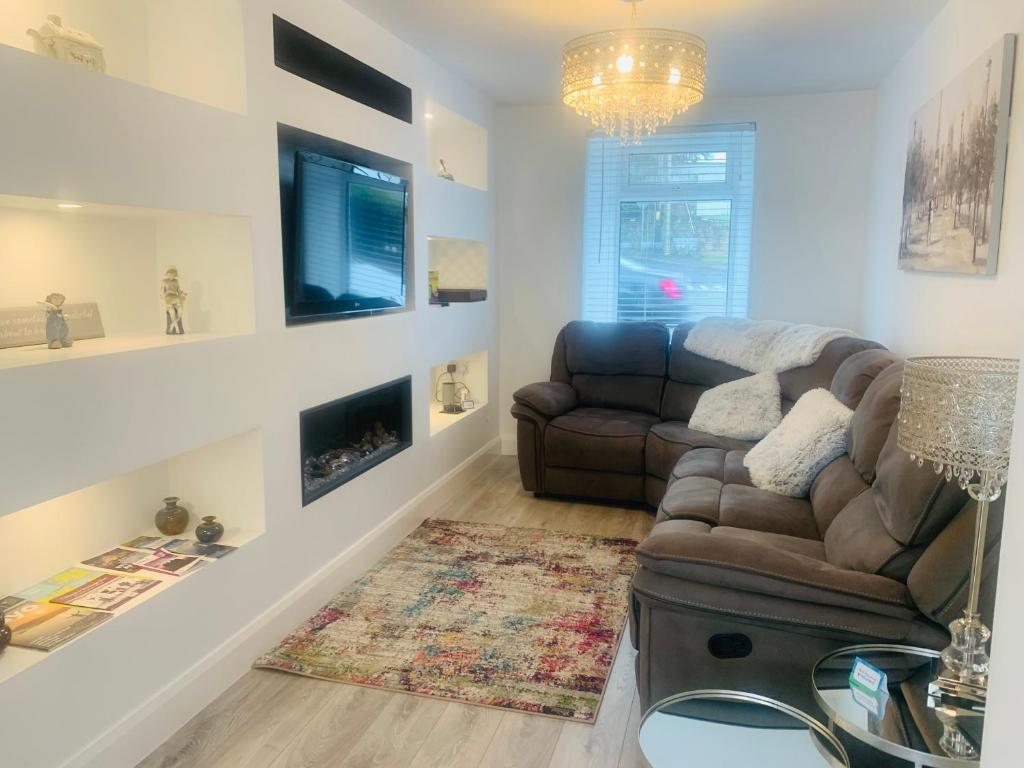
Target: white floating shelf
[
  {"x": 471, "y": 371},
  {"x": 224, "y": 479},
  {"x": 16, "y": 357},
  {"x": 116, "y": 256},
  {"x": 190, "y": 48}
]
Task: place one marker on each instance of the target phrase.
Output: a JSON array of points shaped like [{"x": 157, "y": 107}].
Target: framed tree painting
[{"x": 956, "y": 167}]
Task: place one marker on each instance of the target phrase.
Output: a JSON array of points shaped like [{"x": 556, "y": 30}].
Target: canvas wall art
[{"x": 956, "y": 166}]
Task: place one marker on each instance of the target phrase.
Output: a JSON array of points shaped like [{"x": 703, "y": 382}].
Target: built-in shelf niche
[
  {"x": 190, "y": 48},
  {"x": 116, "y": 257},
  {"x": 460, "y": 143},
  {"x": 462, "y": 267},
  {"x": 470, "y": 371},
  {"x": 224, "y": 479}
]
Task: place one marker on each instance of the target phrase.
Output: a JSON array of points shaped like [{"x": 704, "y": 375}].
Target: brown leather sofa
[
  {"x": 612, "y": 421},
  {"x": 740, "y": 588}
]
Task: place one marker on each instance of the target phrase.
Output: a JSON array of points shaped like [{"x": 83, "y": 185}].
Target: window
[{"x": 667, "y": 225}]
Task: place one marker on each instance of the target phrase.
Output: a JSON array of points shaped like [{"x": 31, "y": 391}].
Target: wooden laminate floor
[{"x": 274, "y": 720}]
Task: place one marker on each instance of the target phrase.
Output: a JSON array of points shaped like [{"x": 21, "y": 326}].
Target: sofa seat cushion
[
  {"x": 603, "y": 439},
  {"x": 670, "y": 440},
  {"x": 708, "y": 500},
  {"x": 718, "y": 463},
  {"x": 747, "y": 563}
]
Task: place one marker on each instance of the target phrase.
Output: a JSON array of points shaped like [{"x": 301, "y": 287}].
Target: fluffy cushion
[
  {"x": 807, "y": 440},
  {"x": 745, "y": 409}
]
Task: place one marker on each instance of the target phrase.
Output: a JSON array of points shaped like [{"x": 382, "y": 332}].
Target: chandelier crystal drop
[{"x": 630, "y": 82}]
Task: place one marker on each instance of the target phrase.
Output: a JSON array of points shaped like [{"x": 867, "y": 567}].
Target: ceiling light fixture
[
  {"x": 68, "y": 206},
  {"x": 630, "y": 82}
]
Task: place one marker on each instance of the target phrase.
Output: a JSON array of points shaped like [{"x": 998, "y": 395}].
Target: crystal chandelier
[{"x": 629, "y": 82}]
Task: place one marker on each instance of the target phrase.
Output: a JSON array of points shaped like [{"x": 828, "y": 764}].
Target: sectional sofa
[
  {"x": 612, "y": 421},
  {"x": 738, "y": 587}
]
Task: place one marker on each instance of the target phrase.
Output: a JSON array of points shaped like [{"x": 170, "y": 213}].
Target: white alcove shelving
[
  {"x": 460, "y": 143},
  {"x": 472, "y": 372},
  {"x": 116, "y": 256},
  {"x": 224, "y": 479},
  {"x": 460, "y": 264},
  {"x": 190, "y": 48}
]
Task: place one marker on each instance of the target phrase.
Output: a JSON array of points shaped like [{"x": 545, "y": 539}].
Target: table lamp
[{"x": 957, "y": 413}]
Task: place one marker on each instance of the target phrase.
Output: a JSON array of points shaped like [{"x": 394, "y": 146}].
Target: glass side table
[
  {"x": 728, "y": 728},
  {"x": 901, "y": 724}
]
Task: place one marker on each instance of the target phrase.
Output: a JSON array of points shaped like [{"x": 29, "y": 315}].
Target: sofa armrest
[
  {"x": 549, "y": 398},
  {"x": 696, "y": 555}
]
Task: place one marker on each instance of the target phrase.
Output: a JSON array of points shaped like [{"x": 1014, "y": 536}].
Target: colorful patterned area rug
[{"x": 519, "y": 618}]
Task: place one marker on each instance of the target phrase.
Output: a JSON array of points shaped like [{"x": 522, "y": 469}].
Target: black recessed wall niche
[
  {"x": 292, "y": 140},
  {"x": 309, "y": 57},
  {"x": 342, "y": 439}
]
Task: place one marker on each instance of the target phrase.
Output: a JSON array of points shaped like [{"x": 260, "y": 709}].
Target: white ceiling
[{"x": 511, "y": 49}]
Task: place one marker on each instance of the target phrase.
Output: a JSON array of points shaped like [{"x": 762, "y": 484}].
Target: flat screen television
[{"x": 348, "y": 239}]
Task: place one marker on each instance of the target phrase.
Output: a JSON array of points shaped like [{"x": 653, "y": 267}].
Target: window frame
[{"x": 610, "y": 205}]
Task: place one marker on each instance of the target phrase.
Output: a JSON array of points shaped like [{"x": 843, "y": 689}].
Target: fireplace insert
[{"x": 344, "y": 438}]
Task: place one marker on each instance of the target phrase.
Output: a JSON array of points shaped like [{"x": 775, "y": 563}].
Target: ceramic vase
[
  {"x": 209, "y": 530},
  {"x": 5, "y": 633},
  {"x": 172, "y": 519}
]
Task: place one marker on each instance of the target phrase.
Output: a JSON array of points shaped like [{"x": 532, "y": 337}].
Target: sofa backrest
[
  {"x": 613, "y": 365},
  {"x": 939, "y": 579},
  {"x": 690, "y": 375},
  {"x": 844, "y": 479},
  {"x": 895, "y": 507}
]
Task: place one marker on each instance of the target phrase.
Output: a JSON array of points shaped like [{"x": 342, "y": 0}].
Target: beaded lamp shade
[
  {"x": 629, "y": 82},
  {"x": 957, "y": 412}
]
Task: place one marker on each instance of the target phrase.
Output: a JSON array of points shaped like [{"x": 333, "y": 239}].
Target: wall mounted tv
[{"x": 348, "y": 239}]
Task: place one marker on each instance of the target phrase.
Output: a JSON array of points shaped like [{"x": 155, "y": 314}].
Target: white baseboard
[
  {"x": 509, "y": 446},
  {"x": 134, "y": 737}
]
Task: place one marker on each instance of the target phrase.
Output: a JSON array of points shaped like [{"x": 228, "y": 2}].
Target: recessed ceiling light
[
  {"x": 428, "y": 116},
  {"x": 68, "y": 206}
]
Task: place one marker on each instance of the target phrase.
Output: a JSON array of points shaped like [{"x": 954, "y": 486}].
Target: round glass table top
[
  {"x": 728, "y": 728},
  {"x": 897, "y": 719}
]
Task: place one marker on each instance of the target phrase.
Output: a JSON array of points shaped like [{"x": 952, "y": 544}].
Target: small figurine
[
  {"x": 57, "y": 334},
  {"x": 174, "y": 302},
  {"x": 444, "y": 173}
]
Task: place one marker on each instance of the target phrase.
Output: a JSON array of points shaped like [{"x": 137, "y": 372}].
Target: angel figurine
[
  {"x": 57, "y": 334},
  {"x": 174, "y": 302}
]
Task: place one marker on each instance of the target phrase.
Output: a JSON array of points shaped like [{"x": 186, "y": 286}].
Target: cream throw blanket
[{"x": 760, "y": 346}]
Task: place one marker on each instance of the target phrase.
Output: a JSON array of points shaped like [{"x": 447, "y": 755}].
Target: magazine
[
  {"x": 162, "y": 561},
  {"x": 65, "y": 581},
  {"x": 46, "y": 626},
  {"x": 117, "y": 559},
  {"x": 107, "y": 592},
  {"x": 198, "y": 549},
  {"x": 149, "y": 542}
]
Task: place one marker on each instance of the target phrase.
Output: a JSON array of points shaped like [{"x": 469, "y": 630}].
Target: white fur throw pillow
[
  {"x": 809, "y": 438},
  {"x": 745, "y": 409}
]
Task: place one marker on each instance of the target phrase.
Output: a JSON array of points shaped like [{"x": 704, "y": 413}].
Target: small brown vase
[
  {"x": 209, "y": 530},
  {"x": 5, "y": 633},
  {"x": 172, "y": 519}
]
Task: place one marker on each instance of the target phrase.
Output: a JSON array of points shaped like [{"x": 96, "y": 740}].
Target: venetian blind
[{"x": 667, "y": 225}]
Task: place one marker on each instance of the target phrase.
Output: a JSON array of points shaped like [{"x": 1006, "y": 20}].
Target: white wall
[
  {"x": 113, "y": 695},
  {"x": 918, "y": 313},
  {"x": 810, "y": 215},
  {"x": 922, "y": 313}
]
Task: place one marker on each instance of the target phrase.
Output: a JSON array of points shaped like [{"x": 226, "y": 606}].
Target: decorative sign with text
[{"x": 24, "y": 326}]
